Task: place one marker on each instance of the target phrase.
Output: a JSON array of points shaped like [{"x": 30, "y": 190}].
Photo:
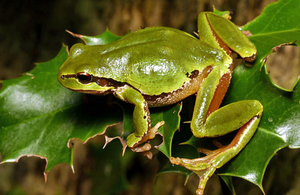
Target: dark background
[{"x": 33, "y": 31}]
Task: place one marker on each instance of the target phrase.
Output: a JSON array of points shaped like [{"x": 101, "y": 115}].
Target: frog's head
[{"x": 78, "y": 74}]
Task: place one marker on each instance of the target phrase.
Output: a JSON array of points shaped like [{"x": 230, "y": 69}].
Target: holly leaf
[{"x": 39, "y": 117}]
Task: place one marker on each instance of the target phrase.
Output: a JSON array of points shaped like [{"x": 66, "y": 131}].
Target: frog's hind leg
[
  {"x": 217, "y": 158},
  {"x": 209, "y": 121}
]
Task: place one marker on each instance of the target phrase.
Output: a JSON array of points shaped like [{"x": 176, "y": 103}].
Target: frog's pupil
[{"x": 84, "y": 78}]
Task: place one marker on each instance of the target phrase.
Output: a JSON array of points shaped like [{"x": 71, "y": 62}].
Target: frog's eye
[{"x": 84, "y": 77}]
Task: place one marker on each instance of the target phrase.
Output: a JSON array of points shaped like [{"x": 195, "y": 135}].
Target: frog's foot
[
  {"x": 134, "y": 142},
  {"x": 204, "y": 167}
]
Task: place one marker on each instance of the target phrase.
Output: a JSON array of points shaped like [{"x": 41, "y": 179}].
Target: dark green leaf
[{"x": 38, "y": 116}]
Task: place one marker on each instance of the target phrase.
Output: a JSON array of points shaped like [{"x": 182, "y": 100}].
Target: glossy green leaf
[{"x": 39, "y": 117}]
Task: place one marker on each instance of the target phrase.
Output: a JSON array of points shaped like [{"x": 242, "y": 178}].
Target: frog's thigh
[{"x": 209, "y": 98}]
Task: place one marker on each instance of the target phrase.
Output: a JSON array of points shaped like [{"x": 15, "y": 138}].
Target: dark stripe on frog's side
[{"x": 189, "y": 88}]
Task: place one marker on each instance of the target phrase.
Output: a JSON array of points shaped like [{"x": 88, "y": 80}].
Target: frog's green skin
[{"x": 159, "y": 66}]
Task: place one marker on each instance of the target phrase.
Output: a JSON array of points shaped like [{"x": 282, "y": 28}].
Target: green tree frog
[{"x": 159, "y": 66}]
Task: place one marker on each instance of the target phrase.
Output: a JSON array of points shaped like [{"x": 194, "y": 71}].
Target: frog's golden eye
[{"x": 84, "y": 77}]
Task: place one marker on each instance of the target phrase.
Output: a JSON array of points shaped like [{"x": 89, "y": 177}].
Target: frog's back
[{"x": 156, "y": 60}]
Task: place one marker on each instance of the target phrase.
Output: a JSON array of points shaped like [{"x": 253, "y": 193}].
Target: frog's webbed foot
[
  {"x": 144, "y": 149},
  {"x": 204, "y": 167}
]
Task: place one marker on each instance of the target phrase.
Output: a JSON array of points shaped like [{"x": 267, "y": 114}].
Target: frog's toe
[
  {"x": 143, "y": 148},
  {"x": 200, "y": 191},
  {"x": 154, "y": 129}
]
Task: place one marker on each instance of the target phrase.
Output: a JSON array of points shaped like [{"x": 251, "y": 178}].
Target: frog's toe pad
[
  {"x": 143, "y": 148},
  {"x": 199, "y": 191},
  {"x": 175, "y": 161}
]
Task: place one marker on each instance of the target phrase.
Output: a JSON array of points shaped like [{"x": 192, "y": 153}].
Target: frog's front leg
[
  {"x": 209, "y": 121},
  {"x": 141, "y": 120}
]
